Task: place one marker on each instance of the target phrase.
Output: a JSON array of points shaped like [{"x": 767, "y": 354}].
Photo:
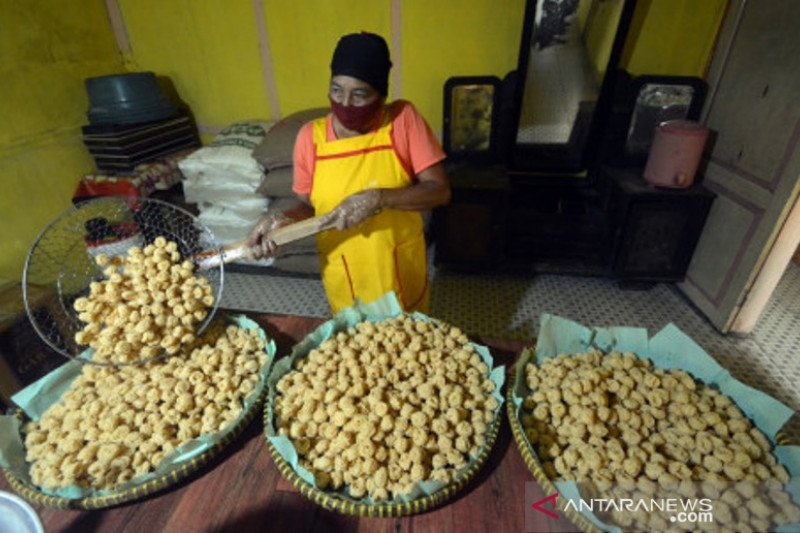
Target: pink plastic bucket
[{"x": 675, "y": 154}]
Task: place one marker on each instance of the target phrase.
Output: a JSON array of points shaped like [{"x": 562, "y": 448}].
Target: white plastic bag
[
  {"x": 220, "y": 191},
  {"x": 239, "y": 210},
  {"x": 232, "y": 148},
  {"x": 196, "y": 170}
]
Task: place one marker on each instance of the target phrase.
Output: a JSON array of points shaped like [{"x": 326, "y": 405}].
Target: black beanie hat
[{"x": 364, "y": 56}]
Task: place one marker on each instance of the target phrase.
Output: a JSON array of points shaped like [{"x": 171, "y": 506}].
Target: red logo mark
[{"x": 552, "y": 499}]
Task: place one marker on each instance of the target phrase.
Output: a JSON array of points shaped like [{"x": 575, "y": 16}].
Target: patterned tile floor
[{"x": 509, "y": 307}]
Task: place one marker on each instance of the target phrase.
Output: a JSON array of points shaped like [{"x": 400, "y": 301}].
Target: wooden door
[{"x": 753, "y": 110}]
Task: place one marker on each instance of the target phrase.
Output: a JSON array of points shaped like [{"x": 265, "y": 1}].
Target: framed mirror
[
  {"x": 470, "y": 107},
  {"x": 568, "y": 55},
  {"x": 657, "y": 99}
]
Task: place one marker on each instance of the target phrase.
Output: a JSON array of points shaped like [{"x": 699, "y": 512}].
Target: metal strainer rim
[{"x": 73, "y": 209}]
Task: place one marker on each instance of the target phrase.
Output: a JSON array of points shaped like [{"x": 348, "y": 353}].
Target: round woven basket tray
[
  {"x": 344, "y": 505},
  {"x": 529, "y": 454},
  {"x": 174, "y": 476},
  {"x": 531, "y": 459},
  {"x": 386, "y": 307},
  {"x": 148, "y": 488}
]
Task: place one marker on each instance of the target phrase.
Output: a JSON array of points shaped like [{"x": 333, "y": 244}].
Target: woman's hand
[
  {"x": 283, "y": 212},
  {"x": 353, "y": 210},
  {"x": 258, "y": 241}
]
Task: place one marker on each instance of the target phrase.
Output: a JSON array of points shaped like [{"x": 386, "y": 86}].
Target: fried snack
[
  {"x": 148, "y": 304},
  {"x": 385, "y": 405},
  {"x": 623, "y": 429},
  {"x": 115, "y": 424}
]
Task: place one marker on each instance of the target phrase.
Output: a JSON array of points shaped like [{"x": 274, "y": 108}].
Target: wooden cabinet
[
  {"x": 470, "y": 232},
  {"x": 556, "y": 229},
  {"x": 655, "y": 230},
  {"x": 615, "y": 225},
  {"x": 24, "y": 356}
]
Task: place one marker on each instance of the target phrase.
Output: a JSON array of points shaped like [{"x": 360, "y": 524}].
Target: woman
[{"x": 368, "y": 168}]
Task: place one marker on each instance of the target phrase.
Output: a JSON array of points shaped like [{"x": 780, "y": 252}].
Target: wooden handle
[
  {"x": 240, "y": 249},
  {"x": 296, "y": 231},
  {"x": 213, "y": 258}
]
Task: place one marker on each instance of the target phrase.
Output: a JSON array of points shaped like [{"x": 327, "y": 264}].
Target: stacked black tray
[{"x": 118, "y": 148}]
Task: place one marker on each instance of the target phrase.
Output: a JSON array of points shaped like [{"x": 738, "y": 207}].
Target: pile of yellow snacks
[
  {"x": 385, "y": 405},
  {"x": 624, "y": 429},
  {"x": 148, "y": 304},
  {"x": 114, "y": 424}
]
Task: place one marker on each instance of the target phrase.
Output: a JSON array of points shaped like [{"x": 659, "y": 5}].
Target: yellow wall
[
  {"x": 445, "y": 39},
  {"x": 46, "y": 51},
  {"x": 302, "y": 38},
  {"x": 583, "y": 15},
  {"x": 667, "y": 37},
  {"x": 673, "y": 37},
  {"x": 209, "y": 49},
  {"x": 600, "y": 35}
]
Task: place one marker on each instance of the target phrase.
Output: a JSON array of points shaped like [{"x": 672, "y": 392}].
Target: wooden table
[{"x": 242, "y": 489}]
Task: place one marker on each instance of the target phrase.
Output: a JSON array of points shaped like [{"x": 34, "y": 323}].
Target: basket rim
[
  {"x": 530, "y": 456},
  {"x": 341, "y": 504},
  {"x": 345, "y": 505},
  {"x": 32, "y": 493},
  {"x": 29, "y": 311}
]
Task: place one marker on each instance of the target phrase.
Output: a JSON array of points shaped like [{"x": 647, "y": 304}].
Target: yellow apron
[{"x": 387, "y": 251}]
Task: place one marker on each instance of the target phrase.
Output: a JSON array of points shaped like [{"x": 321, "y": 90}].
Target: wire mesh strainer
[{"x": 61, "y": 259}]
